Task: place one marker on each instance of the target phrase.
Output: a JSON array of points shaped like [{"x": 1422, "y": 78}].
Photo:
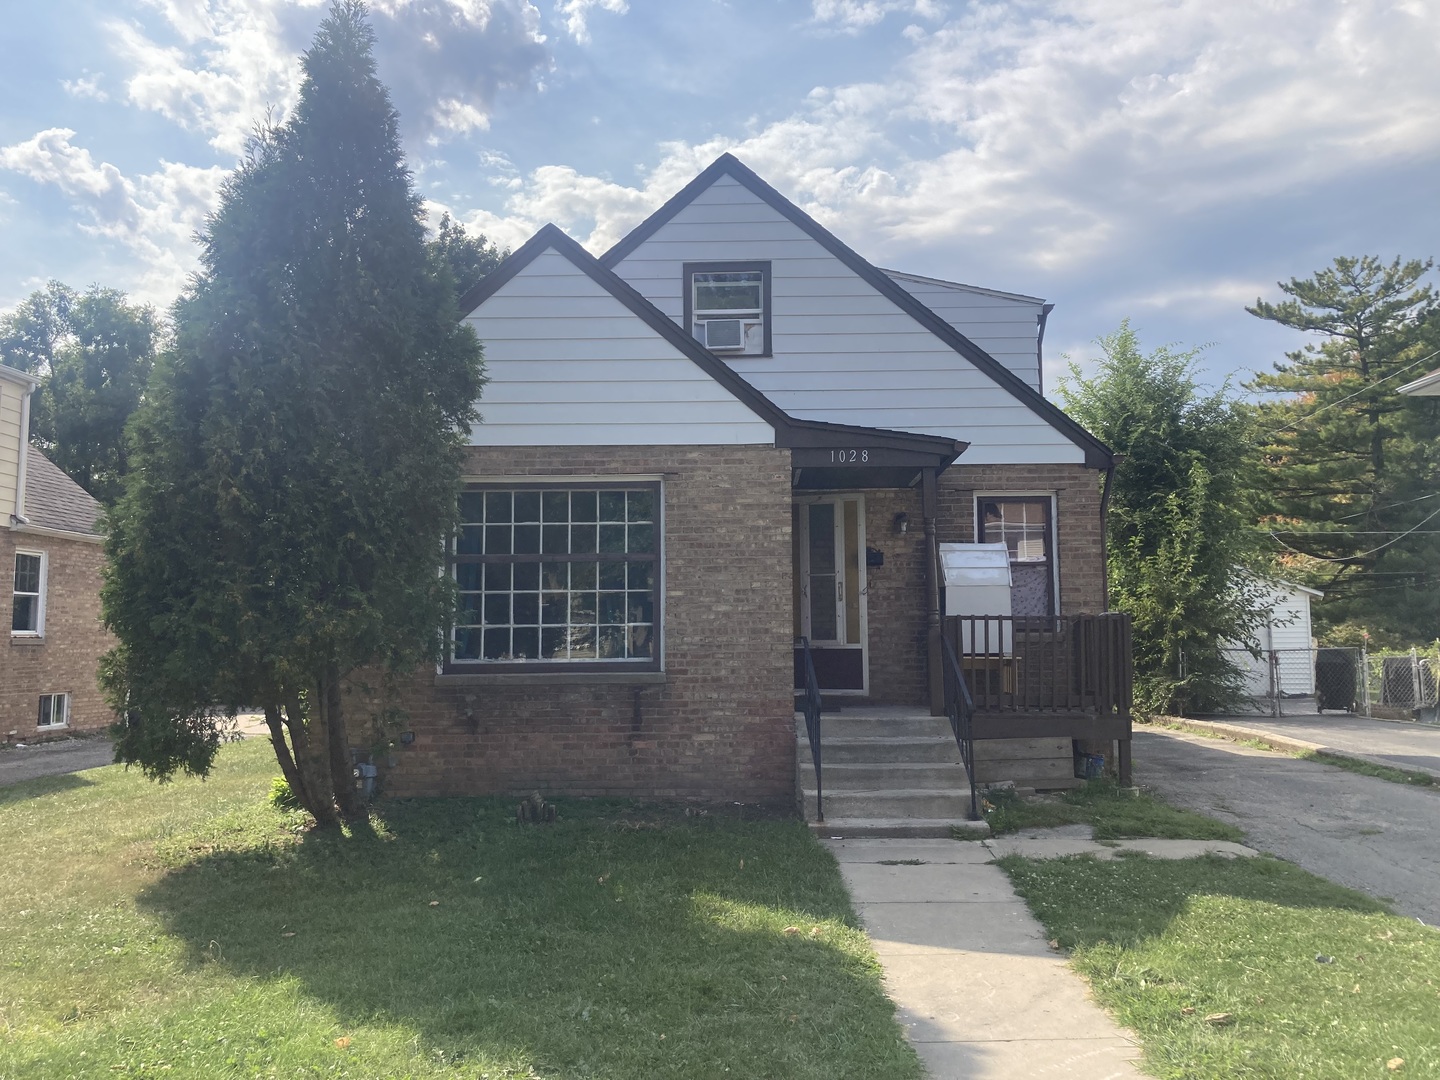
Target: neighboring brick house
[
  {"x": 730, "y": 432},
  {"x": 50, "y": 547}
]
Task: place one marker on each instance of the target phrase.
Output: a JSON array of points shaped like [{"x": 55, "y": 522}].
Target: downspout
[
  {"x": 1045, "y": 310},
  {"x": 18, "y": 517},
  {"x": 1105, "y": 487}
]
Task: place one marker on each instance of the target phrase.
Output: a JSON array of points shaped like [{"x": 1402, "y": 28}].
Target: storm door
[{"x": 830, "y": 590}]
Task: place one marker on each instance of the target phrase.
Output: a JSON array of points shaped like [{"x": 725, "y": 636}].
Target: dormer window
[{"x": 727, "y": 307}]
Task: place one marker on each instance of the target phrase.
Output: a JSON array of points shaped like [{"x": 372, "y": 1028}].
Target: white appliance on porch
[{"x": 977, "y": 583}]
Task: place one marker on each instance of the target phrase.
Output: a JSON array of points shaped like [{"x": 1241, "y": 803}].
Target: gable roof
[
  {"x": 54, "y": 501},
  {"x": 19, "y": 376},
  {"x": 1425, "y": 386},
  {"x": 789, "y": 431},
  {"x": 1097, "y": 454},
  {"x": 960, "y": 286}
]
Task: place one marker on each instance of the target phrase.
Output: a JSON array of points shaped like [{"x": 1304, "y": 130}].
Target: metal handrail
[
  {"x": 960, "y": 708},
  {"x": 810, "y": 706}
]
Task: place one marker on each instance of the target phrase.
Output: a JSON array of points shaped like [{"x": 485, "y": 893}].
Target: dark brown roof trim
[
  {"x": 1097, "y": 454},
  {"x": 788, "y": 430}
]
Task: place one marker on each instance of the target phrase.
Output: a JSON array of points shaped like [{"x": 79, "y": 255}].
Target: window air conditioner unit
[{"x": 723, "y": 333}]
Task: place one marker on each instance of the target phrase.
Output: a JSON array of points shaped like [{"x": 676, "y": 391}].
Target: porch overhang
[{"x": 826, "y": 456}]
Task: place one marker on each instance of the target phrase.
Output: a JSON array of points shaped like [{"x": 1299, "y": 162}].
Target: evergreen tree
[
  {"x": 1352, "y": 466},
  {"x": 296, "y": 462},
  {"x": 1177, "y": 520},
  {"x": 93, "y": 351}
]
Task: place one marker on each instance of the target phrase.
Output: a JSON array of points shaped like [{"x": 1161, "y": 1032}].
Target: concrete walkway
[{"x": 981, "y": 994}]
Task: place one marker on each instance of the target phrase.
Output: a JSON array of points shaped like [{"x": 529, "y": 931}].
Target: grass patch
[
  {"x": 194, "y": 929},
  {"x": 1369, "y": 768},
  {"x": 1168, "y": 944},
  {"x": 1115, "y": 813}
]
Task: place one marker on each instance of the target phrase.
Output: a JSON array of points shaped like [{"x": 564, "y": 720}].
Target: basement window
[
  {"x": 557, "y": 577},
  {"x": 54, "y": 711}
]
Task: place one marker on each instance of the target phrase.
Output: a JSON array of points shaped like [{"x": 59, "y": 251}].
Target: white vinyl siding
[
  {"x": 11, "y": 395},
  {"x": 1006, "y": 327},
  {"x": 569, "y": 365},
  {"x": 843, "y": 353}
]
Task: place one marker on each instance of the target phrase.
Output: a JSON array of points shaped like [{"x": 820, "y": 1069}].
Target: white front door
[{"x": 830, "y": 590}]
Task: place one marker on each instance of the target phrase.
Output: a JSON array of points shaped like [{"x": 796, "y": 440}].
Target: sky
[{"x": 1166, "y": 161}]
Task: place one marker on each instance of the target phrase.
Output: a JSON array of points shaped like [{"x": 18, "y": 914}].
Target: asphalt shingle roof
[{"x": 54, "y": 501}]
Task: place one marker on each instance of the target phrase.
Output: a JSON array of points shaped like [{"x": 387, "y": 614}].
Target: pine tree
[
  {"x": 1176, "y": 526},
  {"x": 296, "y": 463},
  {"x": 1352, "y": 466}
]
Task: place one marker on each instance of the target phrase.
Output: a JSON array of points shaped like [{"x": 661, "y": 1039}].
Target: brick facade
[
  {"x": 896, "y": 597},
  {"x": 65, "y": 659},
  {"x": 719, "y": 723}
]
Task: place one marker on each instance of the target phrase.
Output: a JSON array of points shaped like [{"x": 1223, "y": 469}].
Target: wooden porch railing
[{"x": 1051, "y": 664}]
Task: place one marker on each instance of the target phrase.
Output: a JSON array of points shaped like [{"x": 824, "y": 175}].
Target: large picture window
[
  {"x": 727, "y": 306},
  {"x": 1023, "y": 523},
  {"x": 557, "y": 576},
  {"x": 27, "y": 612}
]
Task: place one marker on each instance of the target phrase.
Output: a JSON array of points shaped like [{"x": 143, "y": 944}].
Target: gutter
[
  {"x": 18, "y": 517},
  {"x": 1105, "y": 488}
]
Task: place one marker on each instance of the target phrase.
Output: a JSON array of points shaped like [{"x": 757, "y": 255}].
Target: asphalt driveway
[
  {"x": 1404, "y": 745},
  {"x": 1373, "y": 835},
  {"x": 53, "y": 758}
]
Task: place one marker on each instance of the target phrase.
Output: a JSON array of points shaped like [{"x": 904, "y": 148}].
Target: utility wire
[
  {"x": 1389, "y": 506},
  {"x": 1363, "y": 390},
  {"x": 1358, "y": 554}
]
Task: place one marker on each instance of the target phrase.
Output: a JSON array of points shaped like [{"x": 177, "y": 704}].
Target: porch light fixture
[{"x": 902, "y": 523}]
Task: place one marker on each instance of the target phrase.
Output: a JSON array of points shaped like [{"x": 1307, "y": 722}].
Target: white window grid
[{"x": 516, "y": 606}]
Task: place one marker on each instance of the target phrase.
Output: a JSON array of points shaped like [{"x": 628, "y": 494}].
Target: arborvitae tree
[
  {"x": 296, "y": 464},
  {"x": 1352, "y": 466},
  {"x": 1177, "y": 525},
  {"x": 94, "y": 351}
]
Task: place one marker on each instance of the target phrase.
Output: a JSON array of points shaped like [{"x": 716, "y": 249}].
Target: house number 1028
[{"x": 845, "y": 457}]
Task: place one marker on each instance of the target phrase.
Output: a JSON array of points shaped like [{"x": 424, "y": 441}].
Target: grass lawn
[
  {"x": 1214, "y": 963},
  {"x": 192, "y": 930},
  {"x": 1116, "y": 814}
]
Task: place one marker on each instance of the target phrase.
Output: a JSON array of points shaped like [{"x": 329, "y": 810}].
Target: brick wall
[
  {"x": 65, "y": 660},
  {"x": 1077, "y": 501},
  {"x": 720, "y": 725}
]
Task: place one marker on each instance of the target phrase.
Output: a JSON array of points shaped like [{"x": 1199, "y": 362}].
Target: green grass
[
  {"x": 194, "y": 930},
  {"x": 1115, "y": 813},
  {"x": 1369, "y": 768},
  {"x": 1166, "y": 944}
]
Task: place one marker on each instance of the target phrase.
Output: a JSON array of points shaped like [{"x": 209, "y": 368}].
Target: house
[
  {"x": 50, "y": 546},
  {"x": 721, "y": 457},
  {"x": 1425, "y": 386}
]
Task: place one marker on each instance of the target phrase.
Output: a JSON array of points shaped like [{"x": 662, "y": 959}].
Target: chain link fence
[{"x": 1294, "y": 682}]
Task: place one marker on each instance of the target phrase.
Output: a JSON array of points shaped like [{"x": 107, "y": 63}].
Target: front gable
[
  {"x": 569, "y": 362},
  {"x": 850, "y": 345}
]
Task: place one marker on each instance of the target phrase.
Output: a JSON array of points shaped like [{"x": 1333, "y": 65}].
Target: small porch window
[
  {"x": 727, "y": 306},
  {"x": 557, "y": 577},
  {"x": 1025, "y": 524}
]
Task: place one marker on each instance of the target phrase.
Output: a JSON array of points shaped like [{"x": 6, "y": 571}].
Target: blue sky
[{"x": 1165, "y": 160}]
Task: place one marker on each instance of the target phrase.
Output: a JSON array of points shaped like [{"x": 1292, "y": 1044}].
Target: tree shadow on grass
[
  {"x": 617, "y": 941},
  {"x": 41, "y": 785}
]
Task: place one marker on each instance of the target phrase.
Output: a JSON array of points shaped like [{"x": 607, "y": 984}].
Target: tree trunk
[
  {"x": 352, "y": 806},
  {"x": 310, "y": 741}
]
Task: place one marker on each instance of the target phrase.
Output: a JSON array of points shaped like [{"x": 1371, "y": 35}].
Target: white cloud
[
  {"x": 87, "y": 86},
  {"x": 855, "y": 15},
  {"x": 577, "y": 12},
  {"x": 154, "y": 215},
  {"x": 1054, "y": 132}
]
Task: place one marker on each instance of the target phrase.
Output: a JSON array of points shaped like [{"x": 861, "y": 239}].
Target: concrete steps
[{"x": 888, "y": 772}]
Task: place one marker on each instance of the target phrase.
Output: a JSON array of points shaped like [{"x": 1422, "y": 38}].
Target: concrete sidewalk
[
  {"x": 981, "y": 994},
  {"x": 1396, "y": 743}
]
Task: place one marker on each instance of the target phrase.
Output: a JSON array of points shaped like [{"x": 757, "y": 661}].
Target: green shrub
[{"x": 281, "y": 797}]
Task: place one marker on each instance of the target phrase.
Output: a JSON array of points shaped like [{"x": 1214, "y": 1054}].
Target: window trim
[
  {"x": 41, "y": 596},
  {"x": 687, "y": 287},
  {"x": 1052, "y": 535},
  {"x": 64, "y": 697},
  {"x": 503, "y": 669}
]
